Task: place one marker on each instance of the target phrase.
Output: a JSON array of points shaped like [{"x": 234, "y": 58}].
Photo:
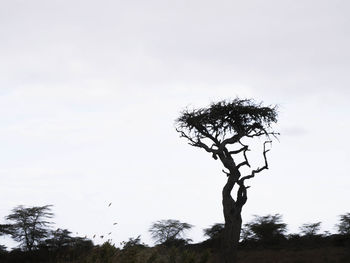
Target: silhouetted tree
[
  {"x": 61, "y": 239},
  {"x": 214, "y": 231},
  {"x": 267, "y": 229},
  {"x": 214, "y": 234},
  {"x": 30, "y": 225},
  {"x": 133, "y": 242},
  {"x": 310, "y": 229},
  {"x": 221, "y": 129},
  {"x": 344, "y": 225},
  {"x": 58, "y": 239},
  {"x": 169, "y": 232}
]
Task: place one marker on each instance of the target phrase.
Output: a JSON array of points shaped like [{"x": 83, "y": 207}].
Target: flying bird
[
  {"x": 115, "y": 223},
  {"x": 94, "y": 236},
  {"x": 109, "y": 204},
  {"x": 101, "y": 236},
  {"x": 109, "y": 233}
]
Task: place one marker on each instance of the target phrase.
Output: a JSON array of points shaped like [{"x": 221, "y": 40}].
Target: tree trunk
[
  {"x": 231, "y": 239},
  {"x": 233, "y": 223}
]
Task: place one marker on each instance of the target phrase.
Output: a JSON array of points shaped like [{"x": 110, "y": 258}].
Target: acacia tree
[
  {"x": 344, "y": 225},
  {"x": 61, "y": 239},
  {"x": 310, "y": 229},
  {"x": 214, "y": 231},
  {"x": 169, "y": 232},
  {"x": 267, "y": 229},
  {"x": 220, "y": 130},
  {"x": 30, "y": 225}
]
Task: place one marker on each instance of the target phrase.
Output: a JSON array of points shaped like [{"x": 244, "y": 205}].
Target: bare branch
[
  {"x": 198, "y": 143},
  {"x": 234, "y": 139},
  {"x": 243, "y": 163},
  {"x": 258, "y": 170},
  {"x": 257, "y": 134},
  {"x": 238, "y": 151},
  {"x": 246, "y": 162}
]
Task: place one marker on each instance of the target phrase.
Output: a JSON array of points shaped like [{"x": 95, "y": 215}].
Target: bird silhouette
[
  {"x": 109, "y": 204},
  {"x": 94, "y": 236},
  {"x": 101, "y": 236},
  {"x": 114, "y": 224},
  {"x": 109, "y": 233}
]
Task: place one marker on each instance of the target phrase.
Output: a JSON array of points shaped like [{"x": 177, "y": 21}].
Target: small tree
[
  {"x": 29, "y": 225},
  {"x": 133, "y": 242},
  {"x": 344, "y": 225},
  {"x": 265, "y": 229},
  {"x": 215, "y": 236},
  {"x": 310, "y": 229},
  {"x": 220, "y": 130},
  {"x": 215, "y": 231},
  {"x": 169, "y": 232},
  {"x": 61, "y": 239}
]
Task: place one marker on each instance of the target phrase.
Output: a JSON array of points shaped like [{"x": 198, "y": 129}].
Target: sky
[{"x": 90, "y": 90}]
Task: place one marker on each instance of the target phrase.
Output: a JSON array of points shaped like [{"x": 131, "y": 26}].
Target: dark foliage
[
  {"x": 133, "y": 242},
  {"x": 239, "y": 117},
  {"x": 265, "y": 230},
  {"x": 169, "y": 232},
  {"x": 214, "y": 231},
  {"x": 344, "y": 225},
  {"x": 5, "y": 229},
  {"x": 29, "y": 225},
  {"x": 61, "y": 239},
  {"x": 310, "y": 229}
]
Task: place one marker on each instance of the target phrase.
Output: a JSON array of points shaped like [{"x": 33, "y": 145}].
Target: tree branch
[
  {"x": 198, "y": 143},
  {"x": 238, "y": 151},
  {"x": 246, "y": 162},
  {"x": 207, "y": 134},
  {"x": 258, "y": 170},
  {"x": 227, "y": 173},
  {"x": 235, "y": 138}
]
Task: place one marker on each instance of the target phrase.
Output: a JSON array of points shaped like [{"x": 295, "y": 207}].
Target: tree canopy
[
  {"x": 265, "y": 228},
  {"x": 170, "y": 230},
  {"x": 214, "y": 231},
  {"x": 30, "y": 224},
  {"x": 226, "y": 122},
  {"x": 344, "y": 225},
  {"x": 310, "y": 229}
]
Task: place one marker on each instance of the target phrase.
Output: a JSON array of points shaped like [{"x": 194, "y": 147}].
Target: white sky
[{"x": 89, "y": 91}]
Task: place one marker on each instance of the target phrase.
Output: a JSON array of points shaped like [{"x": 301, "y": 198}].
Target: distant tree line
[{"x": 31, "y": 227}]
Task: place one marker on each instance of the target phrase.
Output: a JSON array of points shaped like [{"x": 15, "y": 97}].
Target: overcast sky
[{"x": 89, "y": 91}]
